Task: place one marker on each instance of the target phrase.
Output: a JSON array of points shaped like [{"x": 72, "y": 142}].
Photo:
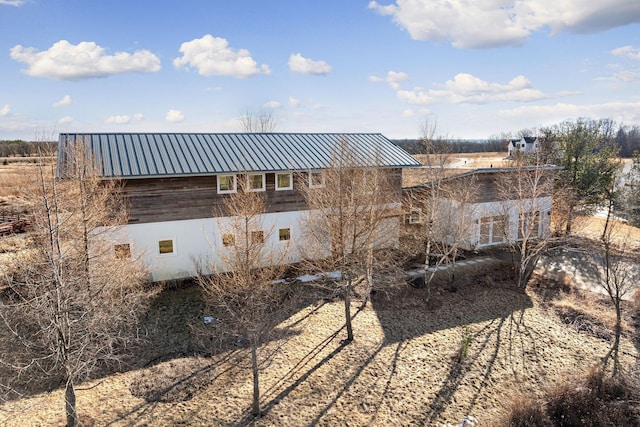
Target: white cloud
[
  {"x": 408, "y": 113},
  {"x": 5, "y": 110},
  {"x": 66, "y": 100},
  {"x": 622, "y": 112},
  {"x": 65, "y": 120},
  {"x": 174, "y": 116},
  {"x": 65, "y": 61},
  {"x": 124, "y": 119},
  {"x": 212, "y": 56},
  {"x": 491, "y": 23},
  {"x": 393, "y": 78},
  {"x": 294, "y": 102},
  {"x": 214, "y": 89},
  {"x": 469, "y": 89},
  {"x": 627, "y": 52},
  {"x": 272, "y": 104},
  {"x": 16, "y": 3},
  {"x": 300, "y": 64}
]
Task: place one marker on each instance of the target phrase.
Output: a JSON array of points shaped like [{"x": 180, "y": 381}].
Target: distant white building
[{"x": 524, "y": 145}]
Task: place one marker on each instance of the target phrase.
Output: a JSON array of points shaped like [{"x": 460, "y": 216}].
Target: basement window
[
  {"x": 284, "y": 181},
  {"x": 257, "y": 236},
  {"x": 415, "y": 216},
  {"x": 165, "y": 247},
  {"x": 228, "y": 239},
  {"x": 227, "y": 184},
  {"x": 122, "y": 251},
  {"x": 284, "y": 234}
]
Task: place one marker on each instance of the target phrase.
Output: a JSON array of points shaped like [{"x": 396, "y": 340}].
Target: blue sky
[{"x": 475, "y": 67}]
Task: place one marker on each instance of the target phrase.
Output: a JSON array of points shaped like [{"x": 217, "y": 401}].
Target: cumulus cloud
[
  {"x": 627, "y": 52},
  {"x": 491, "y": 23},
  {"x": 467, "y": 88},
  {"x": 174, "y": 116},
  {"x": 124, "y": 119},
  {"x": 66, "y": 61},
  {"x": 212, "y": 56},
  {"x": 16, "y": 3},
  {"x": 272, "y": 104},
  {"x": 66, "y": 100},
  {"x": 300, "y": 64},
  {"x": 293, "y": 102},
  {"x": 5, "y": 110},
  {"x": 393, "y": 79},
  {"x": 65, "y": 120}
]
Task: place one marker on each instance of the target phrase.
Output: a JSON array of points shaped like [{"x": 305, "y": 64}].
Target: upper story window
[
  {"x": 256, "y": 182},
  {"x": 284, "y": 181},
  {"x": 316, "y": 179},
  {"x": 165, "y": 247},
  {"x": 227, "y": 184}
]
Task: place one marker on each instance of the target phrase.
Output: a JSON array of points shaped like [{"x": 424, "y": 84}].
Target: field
[{"x": 469, "y": 350}]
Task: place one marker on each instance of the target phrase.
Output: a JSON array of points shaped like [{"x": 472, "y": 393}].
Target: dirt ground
[{"x": 468, "y": 351}]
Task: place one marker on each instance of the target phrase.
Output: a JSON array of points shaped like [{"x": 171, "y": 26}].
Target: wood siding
[{"x": 182, "y": 198}]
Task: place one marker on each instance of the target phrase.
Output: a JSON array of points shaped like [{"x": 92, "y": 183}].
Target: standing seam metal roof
[{"x": 145, "y": 155}]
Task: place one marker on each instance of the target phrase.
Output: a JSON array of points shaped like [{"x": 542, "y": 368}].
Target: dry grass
[{"x": 405, "y": 366}]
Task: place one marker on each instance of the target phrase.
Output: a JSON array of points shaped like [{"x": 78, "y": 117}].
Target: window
[
  {"x": 255, "y": 182},
  {"x": 226, "y": 184},
  {"x": 122, "y": 251},
  {"x": 284, "y": 181},
  {"x": 165, "y": 246},
  {"x": 415, "y": 216},
  {"x": 492, "y": 230},
  {"x": 316, "y": 179},
  {"x": 228, "y": 239},
  {"x": 284, "y": 234},
  {"x": 257, "y": 236}
]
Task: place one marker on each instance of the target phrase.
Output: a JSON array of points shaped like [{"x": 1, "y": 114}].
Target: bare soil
[{"x": 466, "y": 351}]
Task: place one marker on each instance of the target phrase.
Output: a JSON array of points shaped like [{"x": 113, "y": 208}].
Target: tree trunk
[
  {"x": 255, "y": 407},
  {"x": 616, "y": 342},
  {"x": 70, "y": 404},
  {"x": 347, "y": 309}
]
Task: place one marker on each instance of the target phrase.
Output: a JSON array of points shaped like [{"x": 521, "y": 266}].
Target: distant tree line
[
  {"x": 19, "y": 148},
  {"x": 416, "y": 146}
]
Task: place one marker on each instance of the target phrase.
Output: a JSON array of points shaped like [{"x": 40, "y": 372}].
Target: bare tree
[
  {"x": 618, "y": 267},
  {"x": 352, "y": 215},
  {"x": 244, "y": 281},
  {"x": 440, "y": 211},
  {"x": 258, "y": 120},
  {"x": 526, "y": 194},
  {"x": 72, "y": 302}
]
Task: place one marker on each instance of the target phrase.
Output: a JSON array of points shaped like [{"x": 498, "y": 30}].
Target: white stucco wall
[{"x": 197, "y": 244}]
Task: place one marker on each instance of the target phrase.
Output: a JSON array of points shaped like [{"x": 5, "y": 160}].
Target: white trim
[
  {"x": 264, "y": 182},
  {"x": 290, "y": 187},
  {"x": 410, "y": 216},
  {"x": 235, "y": 184},
  {"x": 284, "y": 241},
  {"x": 322, "y": 176}
]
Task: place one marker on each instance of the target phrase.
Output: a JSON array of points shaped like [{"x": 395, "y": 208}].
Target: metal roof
[{"x": 144, "y": 155}]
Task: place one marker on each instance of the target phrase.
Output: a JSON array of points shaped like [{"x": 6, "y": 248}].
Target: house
[
  {"x": 485, "y": 207},
  {"x": 174, "y": 184},
  {"x": 524, "y": 145}
]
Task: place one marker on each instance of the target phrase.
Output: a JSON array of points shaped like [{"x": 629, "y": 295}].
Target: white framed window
[
  {"x": 256, "y": 182},
  {"x": 316, "y": 179},
  {"x": 492, "y": 229},
  {"x": 227, "y": 184},
  {"x": 284, "y": 234},
  {"x": 257, "y": 236},
  {"x": 166, "y": 247},
  {"x": 228, "y": 239},
  {"x": 284, "y": 181},
  {"x": 122, "y": 250},
  {"x": 529, "y": 225},
  {"x": 415, "y": 216}
]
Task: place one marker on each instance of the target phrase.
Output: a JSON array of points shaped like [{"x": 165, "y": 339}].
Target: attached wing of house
[{"x": 173, "y": 183}]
